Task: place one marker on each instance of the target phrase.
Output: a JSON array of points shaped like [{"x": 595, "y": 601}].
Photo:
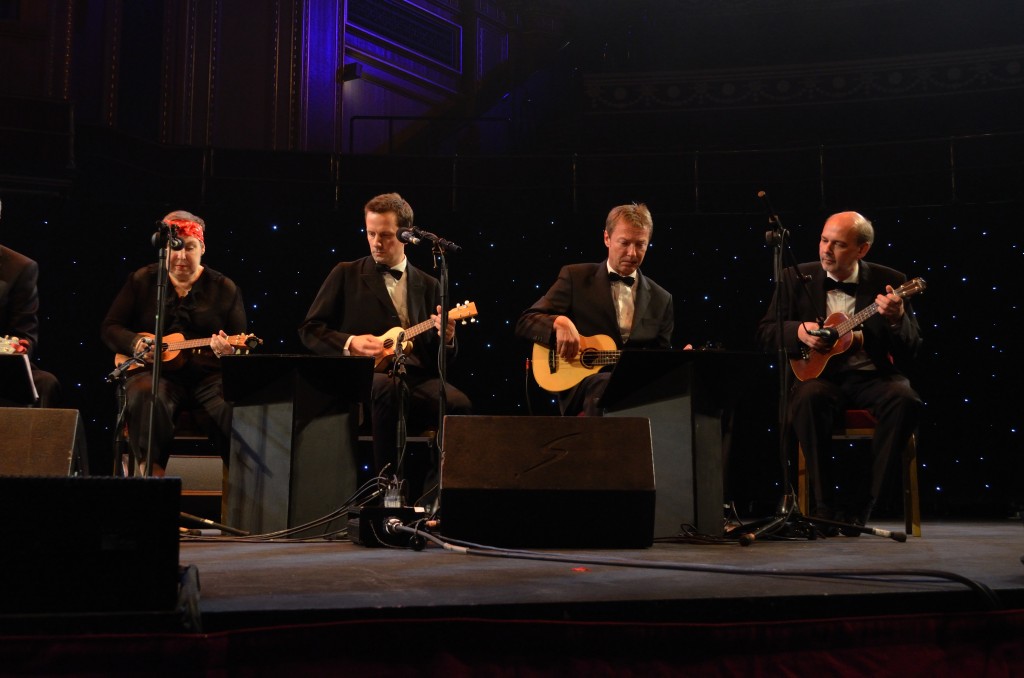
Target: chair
[
  {"x": 860, "y": 425},
  {"x": 420, "y": 455},
  {"x": 193, "y": 458}
]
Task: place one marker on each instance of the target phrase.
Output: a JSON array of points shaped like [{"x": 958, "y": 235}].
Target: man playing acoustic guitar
[
  {"x": 592, "y": 311},
  {"x": 843, "y": 365},
  {"x": 201, "y": 305}
]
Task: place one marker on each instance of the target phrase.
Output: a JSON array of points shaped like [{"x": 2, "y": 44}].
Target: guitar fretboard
[
  {"x": 904, "y": 291},
  {"x": 591, "y": 358},
  {"x": 188, "y": 343},
  {"x": 858, "y": 318}
]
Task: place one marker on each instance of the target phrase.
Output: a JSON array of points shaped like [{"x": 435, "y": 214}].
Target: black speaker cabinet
[
  {"x": 548, "y": 482},
  {"x": 41, "y": 442},
  {"x": 95, "y": 545}
]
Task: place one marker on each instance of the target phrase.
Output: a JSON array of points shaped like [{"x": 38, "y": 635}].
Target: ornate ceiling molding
[{"x": 825, "y": 83}]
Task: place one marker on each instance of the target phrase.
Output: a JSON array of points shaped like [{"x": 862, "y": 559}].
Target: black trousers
[
  {"x": 421, "y": 405},
  {"x": 813, "y": 407},
  {"x": 183, "y": 387},
  {"x": 584, "y": 398}
]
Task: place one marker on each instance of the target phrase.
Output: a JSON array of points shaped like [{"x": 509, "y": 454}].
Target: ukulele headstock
[
  {"x": 244, "y": 343},
  {"x": 464, "y": 312},
  {"x": 911, "y": 287}
]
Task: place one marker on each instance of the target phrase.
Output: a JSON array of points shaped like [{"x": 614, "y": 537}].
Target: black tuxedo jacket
[
  {"x": 19, "y": 297},
  {"x": 890, "y": 349},
  {"x": 583, "y": 293},
  {"x": 354, "y": 300}
]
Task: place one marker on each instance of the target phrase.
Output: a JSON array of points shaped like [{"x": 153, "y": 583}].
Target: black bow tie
[
  {"x": 626, "y": 280},
  {"x": 384, "y": 268},
  {"x": 846, "y": 287}
]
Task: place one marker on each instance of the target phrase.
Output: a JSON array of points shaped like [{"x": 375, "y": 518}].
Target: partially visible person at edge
[{"x": 19, "y": 321}]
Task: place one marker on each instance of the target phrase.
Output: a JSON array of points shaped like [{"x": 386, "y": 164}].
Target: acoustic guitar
[
  {"x": 554, "y": 373},
  {"x": 811, "y": 363},
  {"x": 174, "y": 344},
  {"x": 390, "y": 338}
]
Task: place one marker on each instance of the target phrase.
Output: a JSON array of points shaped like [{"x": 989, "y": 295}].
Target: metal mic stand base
[{"x": 789, "y": 523}]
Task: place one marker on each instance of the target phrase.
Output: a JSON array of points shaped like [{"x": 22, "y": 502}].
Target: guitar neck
[
  {"x": 457, "y": 313},
  {"x": 417, "y": 329},
  {"x": 858, "y": 318},
  {"x": 187, "y": 344}
]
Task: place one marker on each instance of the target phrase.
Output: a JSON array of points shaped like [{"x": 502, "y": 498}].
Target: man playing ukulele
[{"x": 869, "y": 375}]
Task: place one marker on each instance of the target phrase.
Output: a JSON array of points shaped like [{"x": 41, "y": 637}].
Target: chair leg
[
  {"x": 802, "y": 493},
  {"x": 224, "y": 495},
  {"x": 911, "y": 495}
]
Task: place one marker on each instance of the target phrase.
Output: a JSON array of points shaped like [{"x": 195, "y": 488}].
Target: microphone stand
[
  {"x": 441, "y": 262},
  {"x": 117, "y": 377},
  {"x": 440, "y": 248},
  {"x": 393, "y": 497},
  {"x": 164, "y": 236},
  {"x": 786, "y": 509}
]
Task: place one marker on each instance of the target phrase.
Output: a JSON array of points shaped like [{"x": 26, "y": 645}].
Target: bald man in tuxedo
[{"x": 871, "y": 377}]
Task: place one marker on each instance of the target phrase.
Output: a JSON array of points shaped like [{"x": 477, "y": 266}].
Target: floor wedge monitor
[{"x": 548, "y": 482}]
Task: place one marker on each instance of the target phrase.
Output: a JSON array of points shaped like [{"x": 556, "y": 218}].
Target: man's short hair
[
  {"x": 391, "y": 202},
  {"x": 865, "y": 231},
  {"x": 635, "y": 214}
]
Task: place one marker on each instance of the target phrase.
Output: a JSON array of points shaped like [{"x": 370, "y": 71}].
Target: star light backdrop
[
  {"x": 512, "y": 128},
  {"x": 717, "y": 266}
]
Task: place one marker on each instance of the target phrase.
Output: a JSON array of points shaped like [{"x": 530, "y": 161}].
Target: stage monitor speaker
[
  {"x": 89, "y": 545},
  {"x": 42, "y": 442},
  {"x": 548, "y": 482}
]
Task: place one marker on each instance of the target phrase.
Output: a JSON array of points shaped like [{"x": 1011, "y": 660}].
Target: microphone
[
  {"x": 167, "y": 235},
  {"x": 409, "y": 237},
  {"x": 437, "y": 240},
  {"x": 775, "y": 236},
  {"x": 173, "y": 241},
  {"x": 773, "y": 218},
  {"x": 825, "y": 333}
]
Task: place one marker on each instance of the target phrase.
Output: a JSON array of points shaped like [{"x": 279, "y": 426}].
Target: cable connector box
[{"x": 369, "y": 525}]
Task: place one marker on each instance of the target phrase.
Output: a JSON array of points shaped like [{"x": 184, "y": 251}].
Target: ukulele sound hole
[{"x": 588, "y": 358}]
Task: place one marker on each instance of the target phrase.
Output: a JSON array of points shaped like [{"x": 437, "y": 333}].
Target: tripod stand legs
[{"x": 789, "y": 523}]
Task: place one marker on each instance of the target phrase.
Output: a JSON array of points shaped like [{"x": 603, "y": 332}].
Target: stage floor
[
  {"x": 948, "y": 603},
  {"x": 950, "y": 568}
]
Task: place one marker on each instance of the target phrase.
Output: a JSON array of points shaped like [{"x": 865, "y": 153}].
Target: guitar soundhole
[
  {"x": 389, "y": 343},
  {"x": 588, "y": 357}
]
